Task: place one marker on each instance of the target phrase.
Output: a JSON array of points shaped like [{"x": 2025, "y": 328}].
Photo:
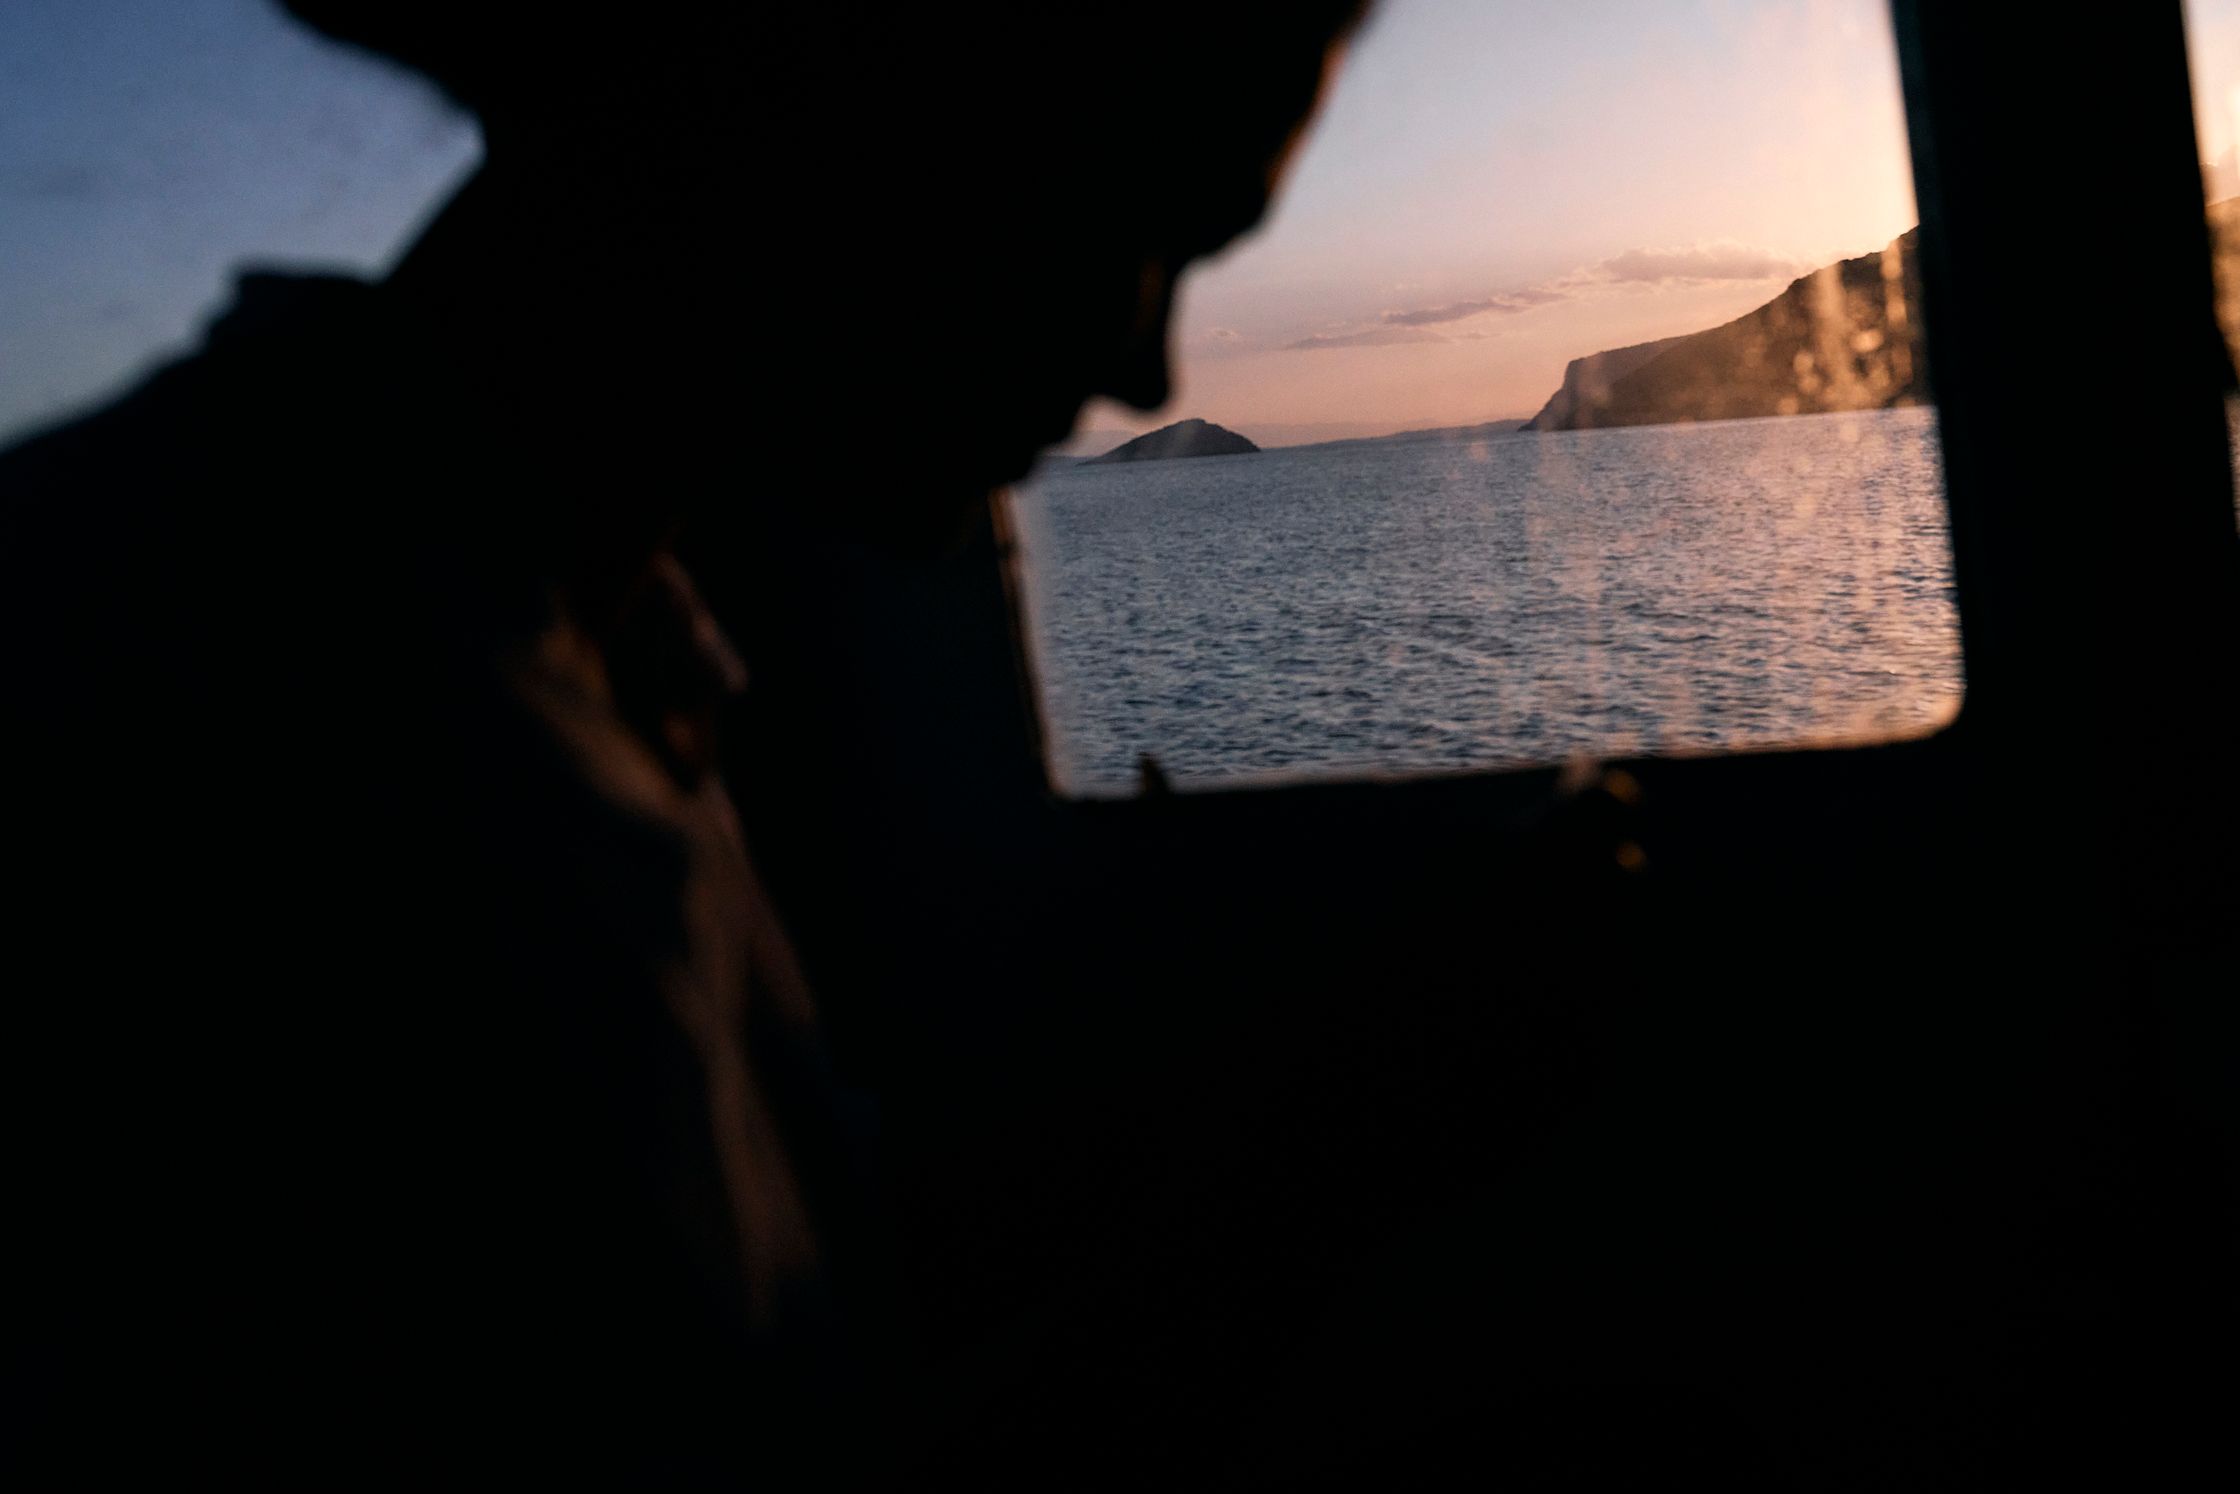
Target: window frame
[
  {"x": 2068, "y": 596},
  {"x": 2075, "y": 599}
]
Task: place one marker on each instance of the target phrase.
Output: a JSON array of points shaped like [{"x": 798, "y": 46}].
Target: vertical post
[{"x": 2073, "y": 353}]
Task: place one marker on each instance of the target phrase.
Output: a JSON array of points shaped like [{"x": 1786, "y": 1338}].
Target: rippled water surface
[{"x": 1525, "y": 598}]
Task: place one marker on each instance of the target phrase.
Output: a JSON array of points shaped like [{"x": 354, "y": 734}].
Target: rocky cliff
[{"x": 1845, "y": 337}]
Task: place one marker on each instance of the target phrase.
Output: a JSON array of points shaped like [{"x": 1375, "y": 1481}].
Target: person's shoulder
[
  {"x": 252, "y": 388},
  {"x": 271, "y": 325},
  {"x": 107, "y": 511}
]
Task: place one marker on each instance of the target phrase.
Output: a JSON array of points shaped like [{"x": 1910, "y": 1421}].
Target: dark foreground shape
[{"x": 1847, "y": 1120}]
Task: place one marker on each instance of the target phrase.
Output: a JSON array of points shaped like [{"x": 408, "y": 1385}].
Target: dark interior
[{"x": 1858, "y": 1117}]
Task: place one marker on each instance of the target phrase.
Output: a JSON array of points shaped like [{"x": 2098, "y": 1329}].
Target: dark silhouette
[
  {"x": 425, "y": 1072},
  {"x": 1185, "y": 438},
  {"x": 417, "y": 1069}
]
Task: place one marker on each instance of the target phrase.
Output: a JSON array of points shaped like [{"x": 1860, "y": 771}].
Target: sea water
[{"x": 1434, "y": 605}]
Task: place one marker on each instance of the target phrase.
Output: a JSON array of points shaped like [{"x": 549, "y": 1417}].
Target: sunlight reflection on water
[{"x": 1527, "y": 598}]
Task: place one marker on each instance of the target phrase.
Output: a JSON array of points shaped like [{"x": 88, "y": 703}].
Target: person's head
[
  {"x": 950, "y": 224},
  {"x": 1106, "y": 152}
]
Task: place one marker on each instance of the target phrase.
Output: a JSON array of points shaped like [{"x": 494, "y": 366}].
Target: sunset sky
[
  {"x": 2213, "y": 28},
  {"x": 1493, "y": 189}
]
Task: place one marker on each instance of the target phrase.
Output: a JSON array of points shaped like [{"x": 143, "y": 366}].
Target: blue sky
[{"x": 147, "y": 146}]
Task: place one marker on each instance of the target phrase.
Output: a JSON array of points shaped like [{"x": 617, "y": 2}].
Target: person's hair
[
  {"x": 459, "y": 45},
  {"x": 505, "y": 54},
  {"x": 987, "y": 193}
]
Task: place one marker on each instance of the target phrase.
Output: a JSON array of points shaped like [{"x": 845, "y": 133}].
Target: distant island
[
  {"x": 1185, "y": 438},
  {"x": 1442, "y": 435},
  {"x": 1845, "y": 337}
]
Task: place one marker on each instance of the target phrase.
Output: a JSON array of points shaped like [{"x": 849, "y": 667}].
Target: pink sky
[{"x": 1496, "y": 189}]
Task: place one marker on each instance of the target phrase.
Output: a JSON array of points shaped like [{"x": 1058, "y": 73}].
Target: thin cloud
[
  {"x": 1506, "y": 302},
  {"x": 1692, "y": 264},
  {"x": 62, "y": 183},
  {"x": 1717, "y": 261},
  {"x": 1373, "y": 337},
  {"x": 1222, "y": 342}
]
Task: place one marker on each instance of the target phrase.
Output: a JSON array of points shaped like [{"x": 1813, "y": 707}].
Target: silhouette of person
[{"x": 416, "y": 1066}]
